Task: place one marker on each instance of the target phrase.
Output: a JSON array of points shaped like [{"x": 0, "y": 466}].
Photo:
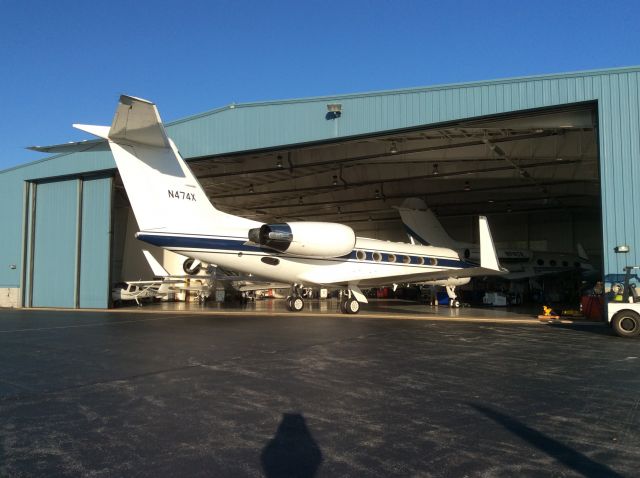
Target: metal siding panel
[
  {"x": 277, "y": 124},
  {"x": 54, "y": 267},
  {"x": 96, "y": 243},
  {"x": 11, "y": 217}
]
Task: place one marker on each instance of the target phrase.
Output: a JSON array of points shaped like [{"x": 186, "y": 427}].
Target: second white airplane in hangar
[{"x": 174, "y": 212}]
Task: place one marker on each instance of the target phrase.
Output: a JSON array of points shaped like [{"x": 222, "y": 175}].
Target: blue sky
[{"x": 66, "y": 61}]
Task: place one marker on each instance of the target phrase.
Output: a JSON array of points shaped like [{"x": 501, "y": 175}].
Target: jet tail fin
[
  {"x": 165, "y": 195},
  {"x": 423, "y": 226}
]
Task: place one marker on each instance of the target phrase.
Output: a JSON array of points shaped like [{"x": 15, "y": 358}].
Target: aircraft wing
[
  {"x": 263, "y": 286},
  {"x": 152, "y": 282},
  {"x": 443, "y": 274}
]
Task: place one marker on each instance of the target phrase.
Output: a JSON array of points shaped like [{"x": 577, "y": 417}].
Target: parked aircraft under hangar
[{"x": 174, "y": 212}]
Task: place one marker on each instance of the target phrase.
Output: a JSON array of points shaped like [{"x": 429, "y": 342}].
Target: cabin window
[
  {"x": 391, "y": 257},
  {"x": 540, "y": 262},
  {"x": 420, "y": 260},
  {"x": 406, "y": 259},
  {"x": 552, "y": 262},
  {"x": 565, "y": 264},
  {"x": 377, "y": 256},
  {"x": 361, "y": 255},
  {"x": 272, "y": 261},
  {"x": 433, "y": 261}
]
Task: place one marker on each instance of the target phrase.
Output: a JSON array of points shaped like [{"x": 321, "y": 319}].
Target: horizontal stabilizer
[
  {"x": 71, "y": 147},
  {"x": 99, "y": 131}
]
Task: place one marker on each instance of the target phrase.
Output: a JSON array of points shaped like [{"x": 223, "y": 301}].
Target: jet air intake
[{"x": 311, "y": 239}]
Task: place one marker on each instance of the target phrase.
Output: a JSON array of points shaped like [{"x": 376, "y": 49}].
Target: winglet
[
  {"x": 488, "y": 256},
  {"x": 158, "y": 270},
  {"x": 582, "y": 254}
]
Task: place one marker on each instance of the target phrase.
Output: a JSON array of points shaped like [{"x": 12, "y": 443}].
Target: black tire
[
  {"x": 352, "y": 306},
  {"x": 297, "y": 304},
  {"x": 455, "y": 303},
  {"x": 187, "y": 266},
  {"x": 343, "y": 306},
  {"x": 289, "y": 304},
  {"x": 626, "y": 323}
]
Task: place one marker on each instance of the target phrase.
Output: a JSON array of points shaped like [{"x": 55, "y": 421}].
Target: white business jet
[
  {"x": 174, "y": 212},
  {"x": 423, "y": 227}
]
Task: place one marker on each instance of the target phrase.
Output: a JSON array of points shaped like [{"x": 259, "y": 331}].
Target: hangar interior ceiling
[{"x": 535, "y": 174}]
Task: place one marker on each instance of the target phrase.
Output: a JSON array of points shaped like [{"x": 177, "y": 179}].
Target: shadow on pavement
[
  {"x": 561, "y": 452},
  {"x": 292, "y": 452}
]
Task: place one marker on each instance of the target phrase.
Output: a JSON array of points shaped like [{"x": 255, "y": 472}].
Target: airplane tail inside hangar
[{"x": 551, "y": 160}]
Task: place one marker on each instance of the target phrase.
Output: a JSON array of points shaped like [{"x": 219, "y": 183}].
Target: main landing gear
[
  {"x": 295, "y": 303},
  {"x": 347, "y": 300},
  {"x": 349, "y": 304},
  {"x": 453, "y": 298}
]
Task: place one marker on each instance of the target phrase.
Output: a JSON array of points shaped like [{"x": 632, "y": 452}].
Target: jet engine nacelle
[{"x": 312, "y": 239}]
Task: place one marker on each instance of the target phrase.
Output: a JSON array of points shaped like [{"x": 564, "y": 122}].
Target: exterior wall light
[
  {"x": 334, "y": 110},
  {"x": 622, "y": 249}
]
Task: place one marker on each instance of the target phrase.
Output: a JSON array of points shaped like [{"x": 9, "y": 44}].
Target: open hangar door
[{"x": 535, "y": 174}]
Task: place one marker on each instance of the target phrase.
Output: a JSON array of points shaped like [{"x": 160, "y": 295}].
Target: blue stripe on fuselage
[{"x": 217, "y": 243}]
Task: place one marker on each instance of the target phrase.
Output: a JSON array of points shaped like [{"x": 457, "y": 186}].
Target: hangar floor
[
  {"x": 121, "y": 394},
  {"x": 376, "y": 308}
]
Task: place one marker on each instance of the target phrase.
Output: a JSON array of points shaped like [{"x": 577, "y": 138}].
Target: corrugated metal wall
[
  {"x": 276, "y": 124},
  {"x": 96, "y": 243},
  {"x": 68, "y": 244},
  {"x": 54, "y": 250}
]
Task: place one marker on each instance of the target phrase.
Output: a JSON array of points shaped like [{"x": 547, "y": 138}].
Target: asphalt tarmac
[{"x": 106, "y": 394}]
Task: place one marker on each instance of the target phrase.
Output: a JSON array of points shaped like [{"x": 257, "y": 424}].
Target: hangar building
[{"x": 553, "y": 161}]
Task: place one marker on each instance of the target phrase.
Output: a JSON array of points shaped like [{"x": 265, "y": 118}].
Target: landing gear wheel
[
  {"x": 626, "y": 323},
  {"x": 189, "y": 269},
  {"x": 297, "y": 304},
  {"x": 455, "y": 303},
  {"x": 288, "y": 302},
  {"x": 352, "y": 306},
  {"x": 343, "y": 306}
]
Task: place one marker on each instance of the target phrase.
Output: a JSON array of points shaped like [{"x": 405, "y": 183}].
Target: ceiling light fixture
[
  {"x": 435, "y": 169},
  {"x": 300, "y": 200},
  {"x": 393, "y": 149},
  {"x": 279, "y": 161},
  {"x": 377, "y": 194},
  {"x": 251, "y": 188},
  {"x": 335, "y": 180},
  {"x": 467, "y": 186}
]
